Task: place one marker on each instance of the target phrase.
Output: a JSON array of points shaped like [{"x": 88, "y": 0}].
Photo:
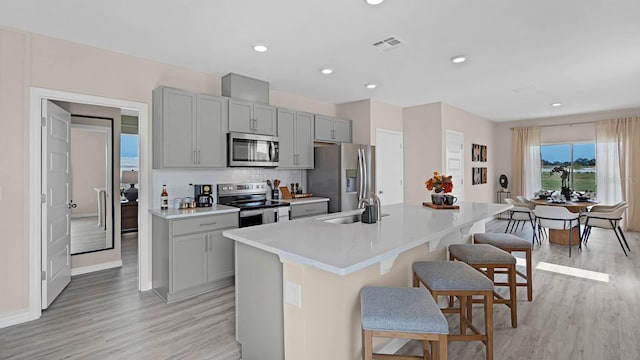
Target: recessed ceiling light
[
  {"x": 459, "y": 59},
  {"x": 260, "y": 48},
  {"x": 327, "y": 71},
  {"x": 374, "y": 2},
  {"x": 371, "y": 86},
  {"x": 556, "y": 104}
]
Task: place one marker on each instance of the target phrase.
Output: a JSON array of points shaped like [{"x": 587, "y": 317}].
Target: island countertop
[
  {"x": 187, "y": 213},
  {"x": 345, "y": 248}
]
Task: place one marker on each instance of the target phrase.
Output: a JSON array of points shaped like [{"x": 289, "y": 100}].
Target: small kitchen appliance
[
  {"x": 255, "y": 207},
  {"x": 203, "y": 195}
]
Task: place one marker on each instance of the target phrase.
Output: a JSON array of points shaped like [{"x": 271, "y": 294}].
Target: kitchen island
[{"x": 298, "y": 283}]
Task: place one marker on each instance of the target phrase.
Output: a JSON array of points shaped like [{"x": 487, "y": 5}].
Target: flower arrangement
[
  {"x": 564, "y": 175},
  {"x": 439, "y": 183}
]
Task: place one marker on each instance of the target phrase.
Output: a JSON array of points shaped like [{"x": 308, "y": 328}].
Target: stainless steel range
[{"x": 255, "y": 207}]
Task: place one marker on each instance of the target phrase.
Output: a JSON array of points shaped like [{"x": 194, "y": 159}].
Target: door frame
[
  {"x": 461, "y": 193},
  {"x": 36, "y": 95}
]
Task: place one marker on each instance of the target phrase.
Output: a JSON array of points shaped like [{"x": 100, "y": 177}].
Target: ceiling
[{"x": 523, "y": 55}]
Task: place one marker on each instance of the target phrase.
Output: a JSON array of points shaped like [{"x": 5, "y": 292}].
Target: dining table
[{"x": 561, "y": 237}]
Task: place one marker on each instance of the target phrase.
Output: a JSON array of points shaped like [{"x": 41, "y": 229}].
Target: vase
[{"x": 437, "y": 199}]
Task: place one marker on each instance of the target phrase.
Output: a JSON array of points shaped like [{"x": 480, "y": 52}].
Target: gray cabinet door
[
  {"x": 220, "y": 256},
  {"x": 240, "y": 116},
  {"x": 189, "y": 261},
  {"x": 342, "y": 130},
  {"x": 323, "y": 128},
  {"x": 264, "y": 119},
  {"x": 303, "y": 140},
  {"x": 211, "y": 131},
  {"x": 286, "y": 138},
  {"x": 178, "y": 119}
]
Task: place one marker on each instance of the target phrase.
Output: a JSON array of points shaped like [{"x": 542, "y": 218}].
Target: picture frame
[
  {"x": 479, "y": 175},
  {"x": 479, "y": 152}
]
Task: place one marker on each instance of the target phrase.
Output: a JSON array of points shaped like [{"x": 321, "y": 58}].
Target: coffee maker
[{"x": 202, "y": 194}]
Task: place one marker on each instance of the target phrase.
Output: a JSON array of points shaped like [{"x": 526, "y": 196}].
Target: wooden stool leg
[
  {"x": 488, "y": 324},
  {"x": 529, "y": 278},
  {"x": 513, "y": 296},
  {"x": 463, "y": 314},
  {"x": 367, "y": 345},
  {"x": 442, "y": 347}
]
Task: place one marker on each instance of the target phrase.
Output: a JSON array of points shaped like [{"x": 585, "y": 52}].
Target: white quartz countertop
[
  {"x": 345, "y": 248},
  {"x": 186, "y": 213},
  {"x": 307, "y": 200}
]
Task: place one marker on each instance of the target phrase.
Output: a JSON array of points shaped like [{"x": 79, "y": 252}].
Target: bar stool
[
  {"x": 455, "y": 278},
  {"x": 483, "y": 256},
  {"x": 510, "y": 243},
  {"x": 405, "y": 313}
]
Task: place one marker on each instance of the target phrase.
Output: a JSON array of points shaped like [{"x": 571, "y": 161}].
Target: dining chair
[
  {"x": 520, "y": 213},
  {"x": 606, "y": 217},
  {"x": 557, "y": 218}
]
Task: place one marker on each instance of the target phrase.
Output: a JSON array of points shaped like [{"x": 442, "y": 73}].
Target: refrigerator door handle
[
  {"x": 365, "y": 173},
  {"x": 360, "y": 180}
]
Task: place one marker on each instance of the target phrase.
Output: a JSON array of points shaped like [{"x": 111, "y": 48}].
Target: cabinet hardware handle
[
  {"x": 198, "y": 157},
  {"x": 206, "y": 242},
  {"x": 208, "y": 224}
]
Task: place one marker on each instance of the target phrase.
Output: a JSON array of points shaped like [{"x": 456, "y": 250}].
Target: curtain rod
[{"x": 567, "y": 124}]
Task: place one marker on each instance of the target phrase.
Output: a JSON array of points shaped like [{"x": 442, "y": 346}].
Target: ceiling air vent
[{"x": 388, "y": 44}]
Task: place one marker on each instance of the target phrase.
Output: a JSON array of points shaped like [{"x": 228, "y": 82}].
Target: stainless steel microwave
[{"x": 252, "y": 150}]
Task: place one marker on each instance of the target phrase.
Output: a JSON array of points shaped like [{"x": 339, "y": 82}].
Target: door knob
[
  {"x": 72, "y": 205},
  {"x": 380, "y": 191}
]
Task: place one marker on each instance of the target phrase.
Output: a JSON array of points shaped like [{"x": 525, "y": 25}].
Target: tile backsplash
[{"x": 178, "y": 180}]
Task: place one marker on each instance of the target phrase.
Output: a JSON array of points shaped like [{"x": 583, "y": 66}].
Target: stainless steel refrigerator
[{"x": 344, "y": 173}]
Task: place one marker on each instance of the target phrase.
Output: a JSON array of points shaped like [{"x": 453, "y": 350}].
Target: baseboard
[
  {"x": 14, "y": 318},
  {"x": 97, "y": 267},
  {"x": 81, "y": 216}
]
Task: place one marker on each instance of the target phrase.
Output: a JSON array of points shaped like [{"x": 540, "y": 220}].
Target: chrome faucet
[{"x": 378, "y": 205}]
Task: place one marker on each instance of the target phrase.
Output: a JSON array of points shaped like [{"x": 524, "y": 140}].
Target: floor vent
[{"x": 388, "y": 44}]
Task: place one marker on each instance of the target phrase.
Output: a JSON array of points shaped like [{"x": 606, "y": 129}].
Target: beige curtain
[
  {"x": 525, "y": 163},
  {"x": 618, "y": 165}
]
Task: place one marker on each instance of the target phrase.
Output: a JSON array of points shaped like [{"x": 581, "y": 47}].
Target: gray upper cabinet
[
  {"x": 331, "y": 129},
  {"x": 295, "y": 134},
  {"x": 247, "y": 117},
  {"x": 189, "y": 129}
]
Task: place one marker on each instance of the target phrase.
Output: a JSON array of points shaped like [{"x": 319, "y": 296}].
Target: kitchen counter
[
  {"x": 186, "y": 213},
  {"x": 345, "y": 248},
  {"x": 307, "y": 200},
  {"x": 298, "y": 283}
]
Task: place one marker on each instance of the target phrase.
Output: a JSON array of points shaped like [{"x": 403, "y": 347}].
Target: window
[
  {"x": 578, "y": 159},
  {"x": 128, "y": 152}
]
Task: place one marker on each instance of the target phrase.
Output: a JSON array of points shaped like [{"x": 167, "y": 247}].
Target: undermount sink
[{"x": 349, "y": 219}]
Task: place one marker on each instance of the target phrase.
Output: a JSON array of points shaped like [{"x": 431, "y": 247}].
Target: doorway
[
  {"x": 37, "y": 96},
  {"x": 454, "y": 161},
  {"x": 389, "y": 167}
]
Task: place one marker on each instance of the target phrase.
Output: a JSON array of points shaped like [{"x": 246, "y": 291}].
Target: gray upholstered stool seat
[
  {"x": 480, "y": 254},
  {"x": 501, "y": 240},
  {"x": 511, "y": 243},
  {"x": 460, "y": 280},
  {"x": 488, "y": 260},
  {"x": 403, "y": 313},
  {"x": 451, "y": 275}
]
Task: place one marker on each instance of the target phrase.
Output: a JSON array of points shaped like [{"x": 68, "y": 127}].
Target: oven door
[
  {"x": 251, "y": 218},
  {"x": 253, "y": 150}
]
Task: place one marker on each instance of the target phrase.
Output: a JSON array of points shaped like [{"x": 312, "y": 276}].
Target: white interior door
[
  {"x": 389, "y": 167},
  {"x": 454, "y": 161},
  {"x": 56, "y": 257}
]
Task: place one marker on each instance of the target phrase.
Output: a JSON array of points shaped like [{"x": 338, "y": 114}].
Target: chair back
[
  {"x": 522, "y": 199},
  {"x": 601, "y": 218},
  {"x": 556, "y": 217},
  {"x": 608, "y": 208}
]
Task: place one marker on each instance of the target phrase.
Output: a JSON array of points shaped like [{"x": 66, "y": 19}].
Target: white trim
[
  {"x": 36, "y": 95},
  {"x": 97, "y": 267},
  {"x": 14, "y": 318}
]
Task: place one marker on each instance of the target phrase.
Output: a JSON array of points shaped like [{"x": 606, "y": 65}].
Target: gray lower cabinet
[
  {"x": 189, "y": 129},
  {"x": 247, "y": 117},
  {"x": 190, "y": 255},
  {"x": 295, "y": 135},
  {"x": 331, "y": 129},
  {"x": 310, "y": 209}
]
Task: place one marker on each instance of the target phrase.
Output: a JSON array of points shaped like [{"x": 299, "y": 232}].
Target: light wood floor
[
  {"x": 103, "y": 316},
  {"x": 86, "y": 235}
]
